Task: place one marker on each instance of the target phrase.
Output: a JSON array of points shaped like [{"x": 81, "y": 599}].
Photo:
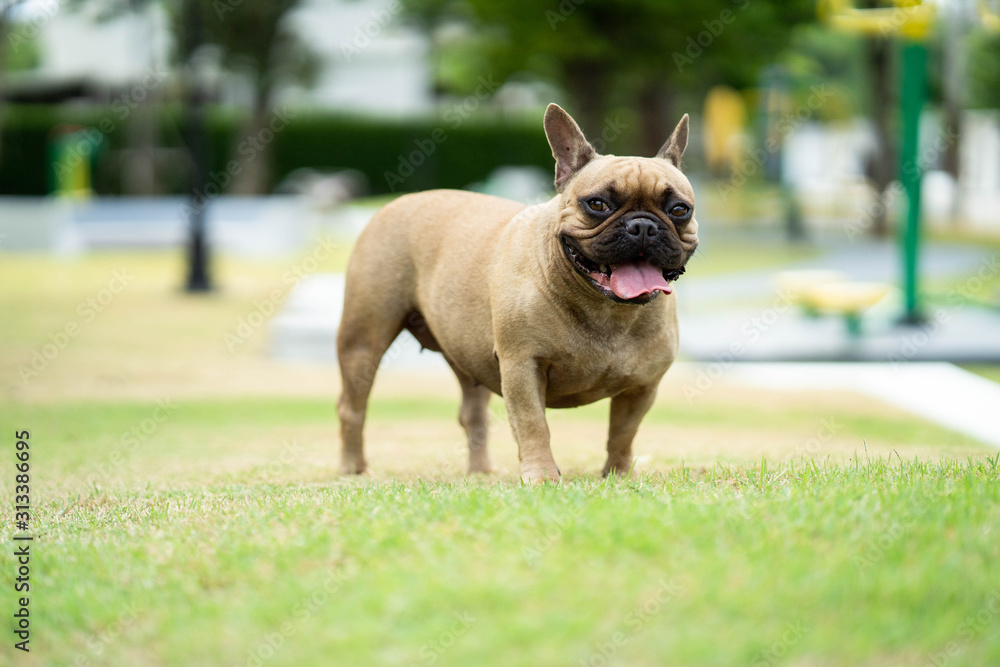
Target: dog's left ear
[
  {"x": 673, "y": 150},
  {"x": 569, "y": 147}
]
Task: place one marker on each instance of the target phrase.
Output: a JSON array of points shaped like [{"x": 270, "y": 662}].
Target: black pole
[{"x": 198, "y": 252}]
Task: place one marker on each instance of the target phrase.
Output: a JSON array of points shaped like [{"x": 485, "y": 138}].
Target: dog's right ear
[{"x": 569, "y": 147}]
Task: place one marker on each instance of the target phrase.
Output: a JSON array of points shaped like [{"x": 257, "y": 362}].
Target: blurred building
[
  {"x": 825, "y": 165},
  {"x": 84, "y": 54},
  {"x": 368, "y": 61}
]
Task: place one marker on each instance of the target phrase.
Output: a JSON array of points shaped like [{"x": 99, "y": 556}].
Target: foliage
[
  {"x": 254, "y": 37},
  {"x": 22, "y": 52},
  {"x": 984, "y": 70},
  {"x": 613, "y": 52},
  {"x": 820, "y": 56},
  {"x": 470, "y": 151}
]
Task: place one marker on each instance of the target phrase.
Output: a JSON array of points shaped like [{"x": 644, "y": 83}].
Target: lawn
[
  {"x": 872, "y": 562},
  {"x": 188, "y": 510},
  {"x": 989, "y": 371}
]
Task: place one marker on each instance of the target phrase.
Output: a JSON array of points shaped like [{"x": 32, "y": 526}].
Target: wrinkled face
[{"x": 627, "y": 226}]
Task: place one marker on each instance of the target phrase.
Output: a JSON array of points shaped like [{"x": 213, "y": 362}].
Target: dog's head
[{"x": 626, "y": 224}]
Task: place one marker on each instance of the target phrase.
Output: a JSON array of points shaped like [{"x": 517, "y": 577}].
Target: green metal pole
[{"x": 914, "y": 90}]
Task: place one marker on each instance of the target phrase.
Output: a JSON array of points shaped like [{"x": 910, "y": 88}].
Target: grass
[
  {"x": 988, "y": 371},
  {"x": 758, "y": 528},
  {"x": 227, "y": 528},
  {"x": 281, "y": 440},
  {"x": 877, "y": 562},
  {"x": 980, "y": 286},
  {"x": 722, "y": 257}
]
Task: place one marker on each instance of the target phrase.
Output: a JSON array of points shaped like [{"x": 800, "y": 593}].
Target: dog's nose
[{"x": 642, "y": 228}]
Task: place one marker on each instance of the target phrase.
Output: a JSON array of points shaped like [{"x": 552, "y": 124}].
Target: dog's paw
[
  {"x": 535, "y": 475},
  {"x": 480, "y": 464},
  {"x": 621, "y": 467},
  {"x": 352, "y": 466}
]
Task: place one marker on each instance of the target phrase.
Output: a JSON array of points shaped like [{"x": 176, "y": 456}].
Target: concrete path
[
  {"x": 243, "y": 226},
  {"x": 938, "y": 392}
]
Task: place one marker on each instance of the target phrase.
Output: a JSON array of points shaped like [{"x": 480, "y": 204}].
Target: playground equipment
[
  {"x": 823, "y": 292},
  {"x": 909, "y": 21}
]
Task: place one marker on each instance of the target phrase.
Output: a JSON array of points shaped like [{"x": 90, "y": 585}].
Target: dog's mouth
[{"x": 636, "y": 281}]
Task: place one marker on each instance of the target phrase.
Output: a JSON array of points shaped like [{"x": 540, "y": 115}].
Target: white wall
[
  {"x": 825, "y": 165},
  {"x": 75, "y": 44},
  {"x": 370, "y": 62}
]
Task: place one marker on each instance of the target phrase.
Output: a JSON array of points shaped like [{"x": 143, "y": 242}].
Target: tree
[
  {"x": 6, "y": 10},
  {"x": 639, "y": 54},
  {"x": 881, "y": 168},
  {"x": 255, "y": 40},
  {"x": 984, "y": 74}
]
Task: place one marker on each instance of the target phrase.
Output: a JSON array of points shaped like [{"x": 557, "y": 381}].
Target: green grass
[
  {"x": 204, "y": 545},
  {"x": 988, "y": 371},
  {"x": 121, "y": 445},
  {"x": 731, "y": 256},
  {"x": 878, "y": 562},
  {"x": 980, "y": 286}
]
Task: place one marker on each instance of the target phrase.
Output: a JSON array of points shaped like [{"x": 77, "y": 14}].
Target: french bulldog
[{"x": 554, "y": 305}]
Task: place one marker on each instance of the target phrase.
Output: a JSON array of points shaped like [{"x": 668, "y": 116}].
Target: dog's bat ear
[
  {"x": 673, "y": 150},
  {"x": 569, "y": 147}
]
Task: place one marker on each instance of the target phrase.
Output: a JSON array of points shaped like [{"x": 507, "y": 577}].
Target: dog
[{"x": 555, "y": 305}]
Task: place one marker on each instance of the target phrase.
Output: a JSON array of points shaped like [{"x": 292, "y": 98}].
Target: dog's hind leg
[
  {"x": 474, "y": 416},
  {"x": 366, "y": 331}
]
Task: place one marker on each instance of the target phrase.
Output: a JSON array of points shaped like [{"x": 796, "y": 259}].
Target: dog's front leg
[
  {"x": 627, "y": 410},
  {"x": 523, "y": 384}
]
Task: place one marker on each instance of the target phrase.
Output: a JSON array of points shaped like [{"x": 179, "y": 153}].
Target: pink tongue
[{"x": 637, "y": 278}]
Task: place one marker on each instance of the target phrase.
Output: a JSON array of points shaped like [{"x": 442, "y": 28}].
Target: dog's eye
[
  {"x": 679, "y": 211},
  {"x": 598, "y": 205}
]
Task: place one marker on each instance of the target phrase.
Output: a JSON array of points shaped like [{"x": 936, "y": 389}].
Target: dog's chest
[{"x": 581, "y": 374}]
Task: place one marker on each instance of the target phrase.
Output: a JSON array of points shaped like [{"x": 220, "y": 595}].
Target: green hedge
[
  {"x": 24, "y": 142},
  {"x": 443, "y": 153}
]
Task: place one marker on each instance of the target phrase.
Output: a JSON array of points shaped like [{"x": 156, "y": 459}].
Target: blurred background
[
  {"x": 181, "y": 184},
  {"x": 181, "y": 180}
]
